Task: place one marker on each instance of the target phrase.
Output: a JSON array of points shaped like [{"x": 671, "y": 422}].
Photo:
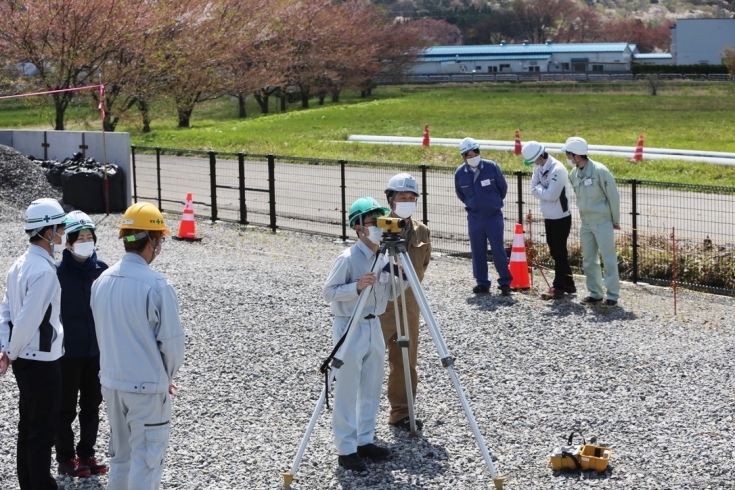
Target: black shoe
[
  {"x": 371, "y": 451},
  {"x": 352, "y": 462},
  {"x": 405, "y": 424},
  {"x": 610, "y": 302},
  {"x": 505, "y": 290},
  {"x": 570, "y": 289},
  {"x": 557, "y": 293},
  {"x": 591, "y": 301},
  {"x": 481, "y": 289}
]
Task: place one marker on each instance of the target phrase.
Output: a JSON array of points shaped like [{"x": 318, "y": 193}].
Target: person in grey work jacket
[
  {"x": 141, "y": 341},
  {"x": 32, "y": 339},
  {"x": 550, "y": 184},
  {"x": 598, "y": 201},
  {"x": 481, "y": 187},
  {"x": 360, "y": 378}
]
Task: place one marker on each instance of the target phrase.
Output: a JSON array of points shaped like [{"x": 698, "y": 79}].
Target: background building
[
  {"x": 526, "y": 58},
  {"x": 701, "y": 41}
]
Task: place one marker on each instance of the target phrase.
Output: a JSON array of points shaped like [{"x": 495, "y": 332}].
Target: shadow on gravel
[
  {"x": 490, "y": 302},
  {"x": 603, "y": 313},
  {"x": 584, "y": 475},
  {"x": 417, "y": 460}
]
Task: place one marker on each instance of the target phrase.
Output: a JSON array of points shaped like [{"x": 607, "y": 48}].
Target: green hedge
[{"x": 683, "y": 69}]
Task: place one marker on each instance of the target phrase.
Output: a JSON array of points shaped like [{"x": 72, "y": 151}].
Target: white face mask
[
  {"x": 58, "y": 247},
  {"x": 83, "y": 249},
  {"x": 375, "y": 234},
  {"x": 474, "y": 161},
  {"x": 405, "y": 209},
  {"x": 570, "y": 162}
]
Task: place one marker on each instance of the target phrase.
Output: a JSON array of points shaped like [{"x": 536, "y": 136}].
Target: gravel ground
[
  {"x": 22, "y": 180},
  {"x": 655, "y": 386}
]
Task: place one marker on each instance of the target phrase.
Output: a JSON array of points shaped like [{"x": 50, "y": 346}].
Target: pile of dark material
[
  {"x": 84, "y": 181},
  {"x": 22, "y": 181}
]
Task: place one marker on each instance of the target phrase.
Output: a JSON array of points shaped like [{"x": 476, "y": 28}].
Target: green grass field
[{"x": 685, "y": 115}]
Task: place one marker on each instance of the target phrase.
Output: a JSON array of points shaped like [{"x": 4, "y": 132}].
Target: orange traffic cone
[
  {"x": 638, "y": 155},
  {"x": 517, "y": 149},
  {"x": 187, "y": 226},
  {"x": 426, "y": 136},
  {"x": 518, "y": 262}
]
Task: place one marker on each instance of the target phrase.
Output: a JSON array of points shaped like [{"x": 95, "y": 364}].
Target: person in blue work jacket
[
  {"x": 598, "y": 201},
  {"x": 481, "y": 187},
  {"x": 80, "y": 365},
  {"x": 360, "y": 378}
]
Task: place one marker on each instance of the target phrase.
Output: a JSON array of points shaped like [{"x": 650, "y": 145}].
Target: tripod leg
[
  {"x": 336, "y": 364},
  {"x": 448, "y": 362},
  {"x": 403, "y": 341},
  {"x": 288, "y": 477}
]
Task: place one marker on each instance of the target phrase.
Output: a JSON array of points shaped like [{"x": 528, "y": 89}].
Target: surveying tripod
[{"x": 394, "y": 247}]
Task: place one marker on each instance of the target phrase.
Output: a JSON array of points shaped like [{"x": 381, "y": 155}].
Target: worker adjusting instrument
[{"x": 393, "y": 246}]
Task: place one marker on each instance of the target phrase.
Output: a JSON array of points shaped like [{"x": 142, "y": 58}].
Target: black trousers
[
  {"x": 79, "y": 376},
  {"x": 557, "y": 233},
  {"x": 39, "y": 384}
]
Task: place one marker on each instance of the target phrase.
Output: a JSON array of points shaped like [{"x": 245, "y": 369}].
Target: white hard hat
[
  {"x": 402, "y": 182},
  {"x": 77, "y": 221},
  {"x": 531, "y": 151},
  {"x": 468, "y": 144},
  {"x": 44, "y": 212},
  {"x": 575, "y": 145}
]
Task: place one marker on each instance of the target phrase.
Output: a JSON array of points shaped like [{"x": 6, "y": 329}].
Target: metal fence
[
  {"x": 666, "y": 228},
  {"x": 548, "y": 77}
]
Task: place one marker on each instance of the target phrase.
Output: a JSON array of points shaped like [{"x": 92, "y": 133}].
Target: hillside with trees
[{"x": 641, "y": 22}]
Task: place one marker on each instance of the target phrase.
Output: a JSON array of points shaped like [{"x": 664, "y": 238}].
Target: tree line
[
  {"x": 196, "y": 50},
  {"x": 191, "y": 51}
]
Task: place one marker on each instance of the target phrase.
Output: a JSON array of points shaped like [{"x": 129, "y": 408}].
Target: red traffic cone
[
  {"x": 426, "y": 136},
  {"x": 518, "y": 262},
  {"x": 517, "y": 149},
  {"x": 638, "y": 155},
  {"x": 187, "y": 226}
]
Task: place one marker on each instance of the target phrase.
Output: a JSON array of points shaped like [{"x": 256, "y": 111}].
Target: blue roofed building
[
  {"x": 654, "y": 59},
  {"x": 526, "y": 58}
]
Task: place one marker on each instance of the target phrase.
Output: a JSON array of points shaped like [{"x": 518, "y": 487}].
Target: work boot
[
  {"x": 72, "y": 467},
  {"x": 373, "y": 452},
  {"x": 481, "y": 289},
  {"x": 405, "y": 424},
  {"x": 505, "y": 290},
  {"x": 557, "y": 293},
  {"x": 352, "y": 462},
  {"x": 590, "y": 300},
  {"x": 94, "y": 467}
]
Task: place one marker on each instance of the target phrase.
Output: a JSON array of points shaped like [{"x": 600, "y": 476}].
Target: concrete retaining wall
[{"x": 58, "y": 145}]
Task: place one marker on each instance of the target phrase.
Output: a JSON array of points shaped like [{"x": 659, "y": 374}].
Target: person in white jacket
[
  {"x": 32, "y": 339},
  {"x": 550, "y": 184},
  {"x": 141, "y": 341}
]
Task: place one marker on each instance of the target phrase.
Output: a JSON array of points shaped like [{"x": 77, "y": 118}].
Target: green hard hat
[
  {"x": 363, "y": 206},
  {"x": 77, "y": 221}
]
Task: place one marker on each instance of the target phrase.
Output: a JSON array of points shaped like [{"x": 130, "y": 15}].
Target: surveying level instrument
[{"x": 394, "y": 247}]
